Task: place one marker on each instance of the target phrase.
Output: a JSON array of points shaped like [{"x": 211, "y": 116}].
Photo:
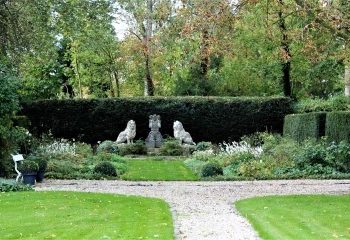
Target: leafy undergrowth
[
  {"x": 298, "y": 217},
  {"x": 157, "y": 170},
  {"x": 7, "y": 185},
  {"x": 73, "y": 215}
]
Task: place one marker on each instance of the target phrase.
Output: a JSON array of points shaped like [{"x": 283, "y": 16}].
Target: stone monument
[
  {"x": 181, "y": 135},
  {"x": 154, "y": 139},
  {"x": 128, "y": 134}
]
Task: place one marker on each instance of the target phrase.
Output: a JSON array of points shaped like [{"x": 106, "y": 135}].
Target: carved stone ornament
[
  {"x": 181, "y": 135},
  {"x": 128, "y": 134},
  {"x": 154, "y": 139}
]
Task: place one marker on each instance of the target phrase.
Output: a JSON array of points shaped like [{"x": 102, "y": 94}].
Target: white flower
[{"x": 239, "y": 147}]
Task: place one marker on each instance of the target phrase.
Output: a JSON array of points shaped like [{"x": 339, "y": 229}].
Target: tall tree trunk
[
  {"x": 111, "y": 86},
  {"x": 149, "y": 87},
  {"x": 286, "y": 58},
  {"x": 148, "y": 82},
  {"x": 204, "y": 65},
  {"x": 116, "y": 80},
  {"x": 347, "y": 80},
  {"x": 76, "y": 68}
]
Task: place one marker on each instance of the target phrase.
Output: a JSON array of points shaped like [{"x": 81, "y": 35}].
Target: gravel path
[{"x": 204, "y": 210}]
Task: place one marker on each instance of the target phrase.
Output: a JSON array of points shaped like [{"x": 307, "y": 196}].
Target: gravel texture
[{"x": 204, "y": 210}]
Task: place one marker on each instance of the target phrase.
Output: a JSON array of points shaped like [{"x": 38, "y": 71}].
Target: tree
[{"x": 146, "y": 18}]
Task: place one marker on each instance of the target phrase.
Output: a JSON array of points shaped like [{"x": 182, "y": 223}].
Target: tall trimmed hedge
[
  {"x": 303, "y": 126},
  {"x": 338, "y": 126},
  {"x": 206, "y": 118}
]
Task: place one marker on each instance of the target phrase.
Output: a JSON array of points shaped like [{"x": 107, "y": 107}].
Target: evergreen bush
[{"x": 105, "y": 169}]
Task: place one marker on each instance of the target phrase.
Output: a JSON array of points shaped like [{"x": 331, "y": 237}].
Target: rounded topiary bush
[
  {"x": 171, "y": 148},
  {"x": 108, "y": 146},
  {"x": 203, "y": 146},
  {"x": 105, "y": 169},
  {"x": 211, "y": 169}
]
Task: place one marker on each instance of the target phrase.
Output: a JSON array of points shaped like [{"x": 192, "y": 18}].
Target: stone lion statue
[
  {"x": 181, "y": 135},
  {"x": 128, "y": 134}
]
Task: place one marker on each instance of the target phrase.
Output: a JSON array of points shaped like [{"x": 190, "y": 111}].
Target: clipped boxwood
[
  {"x": 338, "y": 126},
  {"x": 303, "y": 126},
  {"x": 105, "y": 169},
  {"x": 207, "y": 118},
  {"x": 212, "y": 169}
]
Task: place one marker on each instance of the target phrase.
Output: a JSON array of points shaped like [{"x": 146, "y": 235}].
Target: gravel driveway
[{"x": 204, "y": 210}]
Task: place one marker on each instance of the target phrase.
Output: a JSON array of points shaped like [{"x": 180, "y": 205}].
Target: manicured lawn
[
  {"x": 69, "y": 215},
  {"x": 299, "y": 217},
  {"x": 158, "y": 170}
]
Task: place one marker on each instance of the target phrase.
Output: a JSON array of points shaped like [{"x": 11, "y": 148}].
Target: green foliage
[
  {"x": 105, "y": 169},
  {"x": 13, "y": 186},
  {"x": 305, "y": 126},
  {"x": 338, "y": 126},
  {"x": 136, "y": 148},
  {"x": 202, "y": 146},
  {"x": 171, "y": 148},
  {"x": 195, "y": 165},
  {"x": 9, "y": 105},
  {"x": 28, "y": 167},
  {"x": 41, "y": 161},
  {"x": 336, "y": 103},
  {"x": 311, "y": 153},
  {"x": 211, "y": 169},
  {"x": 338, "y": 156},
  {"x": 107, "y": 146},
  {"x": 92, "y": 120}
]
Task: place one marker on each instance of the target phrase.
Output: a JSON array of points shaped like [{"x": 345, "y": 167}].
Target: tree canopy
[{"x": 70, "y": 49}]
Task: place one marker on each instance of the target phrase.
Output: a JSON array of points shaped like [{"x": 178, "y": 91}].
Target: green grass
[
  {"x": 158, "y": 170},
  {"x": 299, "y": 217},
  {"x": 70, "y": 215}
]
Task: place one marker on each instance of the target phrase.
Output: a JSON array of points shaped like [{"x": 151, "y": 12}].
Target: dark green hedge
[
  {"x": 338, "y": 126},
  {"x": 206, "y": 118},
  {"x": 303, "y": 126}
]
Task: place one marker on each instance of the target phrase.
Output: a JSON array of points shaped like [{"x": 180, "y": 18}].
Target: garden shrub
[
  {"x": 171, "y": 148},
  {"x": 98, "y": 119},
  {"x": 304, "y": 126},
  {"x": 61, "y": 167},
  {"x": 195, "y": 165},
  {"x": 41, "y": 161},
  {"x": 204, "y": 156},
  {"x": 311, "y": 153},
  {"x": 338, "y": 126},
  {"x": 202, "y": 146},
  {"x": 211, "y": 169},
  {"x": 28, "y": 167},
  {"x": 338, "y": 156},
  {"x": 105, "y": 169},
  {"x": 108, "y": 146},
  {"x": 136, "y": 148}
]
